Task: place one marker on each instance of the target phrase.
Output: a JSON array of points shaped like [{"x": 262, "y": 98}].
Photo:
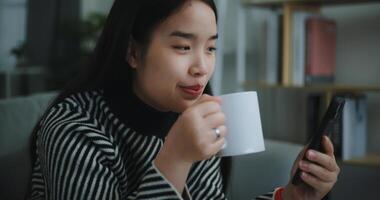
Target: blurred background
[{"x": 43, "y": 44}]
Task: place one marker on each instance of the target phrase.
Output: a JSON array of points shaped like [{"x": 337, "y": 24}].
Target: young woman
[{"x": 139, "y": 124}]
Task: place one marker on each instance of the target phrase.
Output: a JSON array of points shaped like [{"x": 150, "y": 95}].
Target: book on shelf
[
  {"x": 299, "y": 45},
  {"x": 321, "y": 50},
  {"x": 287, "y": 48},
  {"x": 349, "y": 135},
  {"x": 354, "y": 128},
  {"x": 309, "y": 45},
  {"x": 270, "y": 46}
]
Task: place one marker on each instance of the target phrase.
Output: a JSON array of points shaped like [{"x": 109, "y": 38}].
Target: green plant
[
  {"x": 19, "y": 53},
  {"x": 19, "y": 50},
  {"x": 90, "y": 29}
]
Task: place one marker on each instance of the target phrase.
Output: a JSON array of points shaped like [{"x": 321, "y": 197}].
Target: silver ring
[{"x": 217, "y": 132}]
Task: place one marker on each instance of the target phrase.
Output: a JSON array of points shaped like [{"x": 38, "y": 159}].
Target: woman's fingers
[
  {"x": 215, "y": 119},
  {"x": 318, "y": 171},
  {"x": 323, "y": 160},
  {"x": 212, "y": 136},
  {"x": 315, "y": 182},
  {"x": 215, "y": 143},
  {"x": 207, "y": 108},
  {"x": 222, "y": 132},
  {"x": 321, "y": 171},
  {"x": 328, "y": 146},
  {"x": 209, "y": 117},
  {"x": 299, "y": 157},
  {"x": 205, "y": 98},
  {"x": 217, "y": 146}
]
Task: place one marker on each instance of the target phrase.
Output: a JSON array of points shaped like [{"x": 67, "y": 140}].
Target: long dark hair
[{"x": 107, "y": 68}]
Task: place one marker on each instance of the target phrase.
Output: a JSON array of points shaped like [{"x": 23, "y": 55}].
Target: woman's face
[{"x": 180, "y": 59}]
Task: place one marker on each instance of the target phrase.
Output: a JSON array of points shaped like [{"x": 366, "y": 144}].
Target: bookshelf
[
  {"x": 370, "y": 160},
  {"x": 289, "y": 7},
  {"x": 328, "y": 89},
  {"x": 334, "y": 88},
  {"x": 274, "y": 3}
]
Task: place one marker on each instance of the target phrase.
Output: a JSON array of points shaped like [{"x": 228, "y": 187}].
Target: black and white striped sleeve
[
  {"x": 79, "y": 162},
  {"x": 205, "y": 180}
]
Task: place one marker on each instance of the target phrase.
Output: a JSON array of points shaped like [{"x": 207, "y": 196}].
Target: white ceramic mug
[{"x": 243, "y": 122}]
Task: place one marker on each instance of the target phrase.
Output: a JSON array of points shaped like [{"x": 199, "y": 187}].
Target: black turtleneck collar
[{"x": 133, "y": 112}]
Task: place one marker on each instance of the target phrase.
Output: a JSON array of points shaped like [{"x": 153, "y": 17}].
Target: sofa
[
  {"x": 250, "y": 175},
  {"x": 17, "y": 118}
]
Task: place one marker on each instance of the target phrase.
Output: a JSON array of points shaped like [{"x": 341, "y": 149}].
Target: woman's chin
[{"x": 184, "y": 105}]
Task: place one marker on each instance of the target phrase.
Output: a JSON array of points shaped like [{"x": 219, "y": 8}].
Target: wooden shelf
[
  {"x": 276, "y": 3},
  {"x": 249, "y": 85},
  {"x": 370, "y": 160}
]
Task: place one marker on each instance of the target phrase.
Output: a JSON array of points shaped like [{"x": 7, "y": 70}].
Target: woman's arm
[
  {"x": 205, "y": 180},
  {"x": 173, "y": 169},
  {"x": 79, "y": 162},
  {"x": 191, "y": 139}
]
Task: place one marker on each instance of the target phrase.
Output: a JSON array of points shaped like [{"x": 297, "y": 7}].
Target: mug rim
[{"x": 239, "y": 93}]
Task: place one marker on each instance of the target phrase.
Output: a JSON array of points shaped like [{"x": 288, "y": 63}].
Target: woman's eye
[
  {"x": 212, "y": 49},
  {"x": 182, "y": 48}
]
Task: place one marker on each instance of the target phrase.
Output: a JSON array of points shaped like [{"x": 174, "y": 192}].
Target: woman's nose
[{"x": 199, "y": 67}]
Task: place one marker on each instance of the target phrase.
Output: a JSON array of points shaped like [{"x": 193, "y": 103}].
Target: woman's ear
[{"x": 132, "y": 54}]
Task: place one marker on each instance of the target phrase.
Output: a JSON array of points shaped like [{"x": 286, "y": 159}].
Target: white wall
[{"x": 12, "y": 29}]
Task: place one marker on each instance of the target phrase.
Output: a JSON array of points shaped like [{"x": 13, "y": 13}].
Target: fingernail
[{"x": 311, "y": 154}]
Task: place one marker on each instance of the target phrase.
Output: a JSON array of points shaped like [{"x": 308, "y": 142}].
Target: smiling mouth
[{"x": 194, "y": 91}]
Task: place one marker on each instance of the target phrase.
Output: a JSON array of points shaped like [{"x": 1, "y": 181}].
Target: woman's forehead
[{"x": 195, "y": 19}]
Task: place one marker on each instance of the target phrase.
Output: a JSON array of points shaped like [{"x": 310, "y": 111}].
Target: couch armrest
[{"x": 17, "y": 119}]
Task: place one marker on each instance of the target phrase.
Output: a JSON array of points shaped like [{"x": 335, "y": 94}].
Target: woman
[{"x": 139, "y": 124}]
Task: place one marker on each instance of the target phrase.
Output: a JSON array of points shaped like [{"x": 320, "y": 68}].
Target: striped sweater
[{"x": 88, "y": 149}]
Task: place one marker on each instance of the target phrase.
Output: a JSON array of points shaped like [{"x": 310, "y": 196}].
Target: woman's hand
[
  {"x": 192, "y": 138},
  {"x": 319, "y": 173}
]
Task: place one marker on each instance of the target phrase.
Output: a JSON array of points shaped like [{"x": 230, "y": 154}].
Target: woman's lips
[{"x": 195, "y": 90}]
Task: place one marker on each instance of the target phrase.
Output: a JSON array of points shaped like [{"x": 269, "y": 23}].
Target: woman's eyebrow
[
  {"x": 184, "y": 35},
  {"x": 189, "y": 36},
  {"x": 214, "y": 37}
]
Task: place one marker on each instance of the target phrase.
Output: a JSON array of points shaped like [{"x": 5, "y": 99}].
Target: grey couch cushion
[
  {"x": 17, "y": 119},
  {"x": 256, "y": 174}
]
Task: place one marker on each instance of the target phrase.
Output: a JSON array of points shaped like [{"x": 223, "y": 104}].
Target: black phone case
[{"x": 333, "y": 113}]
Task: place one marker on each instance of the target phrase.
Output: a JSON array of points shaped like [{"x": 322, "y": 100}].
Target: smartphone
[{"x": 331, "y": 116}]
